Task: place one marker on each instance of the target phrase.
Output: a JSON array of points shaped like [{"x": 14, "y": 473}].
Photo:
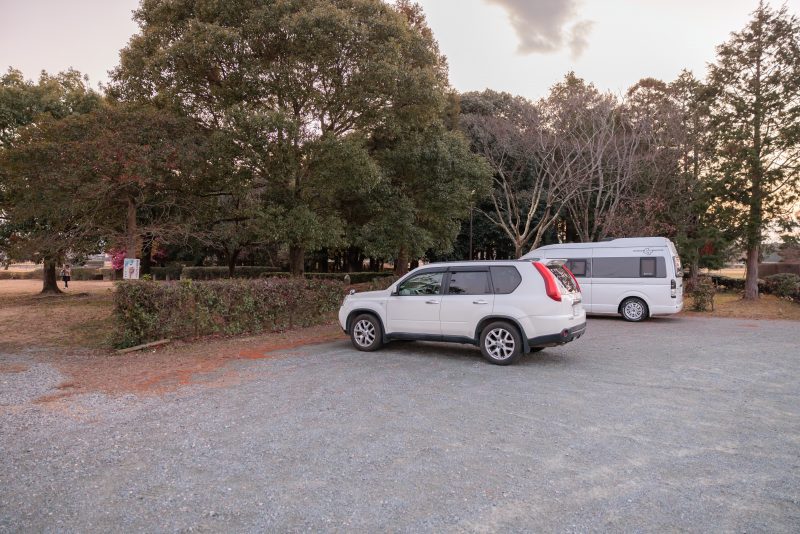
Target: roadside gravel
[{"x": 674, "y": 424}]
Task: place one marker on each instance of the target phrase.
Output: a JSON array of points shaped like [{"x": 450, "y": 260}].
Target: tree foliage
[{"x": 756, "y": 114}]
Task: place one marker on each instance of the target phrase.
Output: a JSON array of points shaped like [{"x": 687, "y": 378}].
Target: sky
[{"x": 519, "y": 46}]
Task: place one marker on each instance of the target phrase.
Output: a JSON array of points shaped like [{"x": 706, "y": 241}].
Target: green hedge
[
  {"x": 782, "y": 285},
  {"x": 147, "y": 311},
  {"x": 21, "y": 275},
  {"x": 355, "y": 278},
  {"x": 160, "y": 273},
  {"x": 217, "y": 273}
]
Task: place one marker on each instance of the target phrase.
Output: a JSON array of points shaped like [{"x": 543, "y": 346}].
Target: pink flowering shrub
[{"x": 118, "y": 258}]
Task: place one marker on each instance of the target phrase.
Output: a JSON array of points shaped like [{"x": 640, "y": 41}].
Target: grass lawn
[
  {"x": 730, "y": 304},
  {"x": 79, "y": 318},
  {"x": 738, "y": 273}
]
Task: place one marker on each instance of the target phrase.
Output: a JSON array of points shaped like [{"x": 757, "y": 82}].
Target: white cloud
[{"x": 547, "y": 25}]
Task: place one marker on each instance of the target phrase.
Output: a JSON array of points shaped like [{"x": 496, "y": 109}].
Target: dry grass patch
[
  {"x": 79, "y": 318},
  {"x": 730, "y": 304}
]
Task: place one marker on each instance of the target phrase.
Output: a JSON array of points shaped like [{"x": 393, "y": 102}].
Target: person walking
[{"x": 66, "y": 274}]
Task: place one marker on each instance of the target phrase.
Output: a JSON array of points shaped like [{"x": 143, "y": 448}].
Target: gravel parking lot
[{"x": 674, "y": 424}]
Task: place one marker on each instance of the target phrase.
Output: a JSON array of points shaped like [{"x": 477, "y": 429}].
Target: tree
[
  {"x": 609, "y": 152},
  {"x": 22, "y": 103},
  {"x": 285, "y": 80},
  {"x": 431, "y": 179},
  {"x": 675, "y": 193},
  {"x": 534, "y": 171},
  {"x": 756, "y": 118},
  {"x": 112, "y": 175}
]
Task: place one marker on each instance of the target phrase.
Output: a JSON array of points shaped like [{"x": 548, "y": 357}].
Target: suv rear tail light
[{"x": 550, "y": 284}]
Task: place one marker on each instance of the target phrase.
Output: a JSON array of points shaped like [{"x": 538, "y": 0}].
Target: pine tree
[{"x": 756, "y": 116}]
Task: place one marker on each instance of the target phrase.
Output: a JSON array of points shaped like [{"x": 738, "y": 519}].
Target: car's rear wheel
[
  {"x": 366, "y": 333},
  {"x": 634, "y": 310},
  {"x": 501, "y": 343}
]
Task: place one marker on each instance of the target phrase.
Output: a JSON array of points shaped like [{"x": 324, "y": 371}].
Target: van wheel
[
  {"x": 501, "y": 343},
  {"x": 634, "y": 310},
  {"x": 366, "y": 333}
]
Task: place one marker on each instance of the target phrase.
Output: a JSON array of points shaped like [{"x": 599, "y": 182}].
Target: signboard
[{"x": 130, "y": 269}]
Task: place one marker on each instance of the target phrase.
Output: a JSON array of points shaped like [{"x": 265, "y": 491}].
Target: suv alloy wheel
[
  {"x": 366, "y": 333},
  {"x": 501, "y": 343}
]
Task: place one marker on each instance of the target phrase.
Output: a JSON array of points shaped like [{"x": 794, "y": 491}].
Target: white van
[{"x": 636, "y": 277}]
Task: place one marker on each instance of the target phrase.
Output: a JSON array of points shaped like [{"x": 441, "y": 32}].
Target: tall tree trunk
[
  {"x": 751, "y": 281},
  {"x": 297, "y": 258},
  {"x": 147, "y": 251},
  {"x": 354, "y": 260},
  {"x": 517, "y": 250},
  {"x": 401, "y": 264},
  {"x": 694, "y": 273},
  {"x": 49, "y": 279},
  {"x": 130, "y": 228},
  {"x": 755, "y": 218},
  {"x": 323, "y": 261},
  {"x": 232, "y": 257}
]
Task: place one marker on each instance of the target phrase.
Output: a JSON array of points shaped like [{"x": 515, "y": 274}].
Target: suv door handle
[
  {"x": 431, "y": 302},
  {"x": 480, "y": 301}
]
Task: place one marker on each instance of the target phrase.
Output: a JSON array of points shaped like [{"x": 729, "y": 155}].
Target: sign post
[{"x": 130, "y": 269}]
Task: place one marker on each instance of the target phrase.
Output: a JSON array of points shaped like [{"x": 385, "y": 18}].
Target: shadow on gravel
[{"x": 468, "y": 353}]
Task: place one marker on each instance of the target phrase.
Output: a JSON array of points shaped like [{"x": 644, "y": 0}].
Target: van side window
[
  {"x": 505, "y": 279},
  {"x": 632, "y": 267},
  {"x": 647, "y": 267},
  {"x": 578, "y": 267}
]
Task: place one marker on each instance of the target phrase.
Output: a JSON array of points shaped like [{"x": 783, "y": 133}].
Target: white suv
[{"x": 505, "y": 307}]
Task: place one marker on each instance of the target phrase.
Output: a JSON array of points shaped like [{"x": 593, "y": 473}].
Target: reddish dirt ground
[
  {"x": 70, "y": 332},
  {"x": 171, "y": 367}
]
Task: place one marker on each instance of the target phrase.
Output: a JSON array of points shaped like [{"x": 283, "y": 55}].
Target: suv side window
[
  {"x": 469, "y": 283},
  {"x": 422, "y": 284},
  {"x": 505, "y": 279}
]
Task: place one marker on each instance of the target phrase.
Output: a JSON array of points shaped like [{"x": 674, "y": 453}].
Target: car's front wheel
[
  {"x": 634, "y": 310},
  {"x": 501, "y": 343},
  {"x": 366, "y": 333}
]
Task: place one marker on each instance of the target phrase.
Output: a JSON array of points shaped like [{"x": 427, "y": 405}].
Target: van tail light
[
  {"x": 674, "y": 288},
  {"x": 550, "y": 284}
]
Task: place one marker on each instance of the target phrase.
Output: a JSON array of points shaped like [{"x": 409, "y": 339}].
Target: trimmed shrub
[
  {"x": 784, "y": 285},
  {"x": 217, "y": 273},
  {"x": 355, "y": 278},
  {"x": 703, "y": 294},
  {"x": 21, "y": 275},
  {"x": 85, "y": 273},
  {"x": 147, "y": 311},
  {"x": 161, "y": 273},
  {"x": 379, "y": 284}
]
